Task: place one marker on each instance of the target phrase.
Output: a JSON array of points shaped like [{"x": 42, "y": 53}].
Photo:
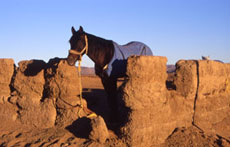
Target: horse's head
[{"x": 78, "y": 46}]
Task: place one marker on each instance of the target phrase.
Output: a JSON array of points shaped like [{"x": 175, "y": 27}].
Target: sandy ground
[{"x": 15, "y": 135}]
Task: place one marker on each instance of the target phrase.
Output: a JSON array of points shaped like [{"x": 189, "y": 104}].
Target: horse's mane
[{"x": 101, "y": 48}]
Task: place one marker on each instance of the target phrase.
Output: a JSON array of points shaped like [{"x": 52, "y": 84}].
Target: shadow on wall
[{"x": 33, "y": 68}]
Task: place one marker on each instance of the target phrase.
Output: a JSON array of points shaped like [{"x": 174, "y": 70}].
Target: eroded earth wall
[
  {"x": 6, "y": 73},
  {"x": 201, "y": 98},
  {"x": 39, "y": 94},
  {"x": 208, "y": 82},
  {"x": 43, "y": 95},
  {"x": 212, "y": 107}
]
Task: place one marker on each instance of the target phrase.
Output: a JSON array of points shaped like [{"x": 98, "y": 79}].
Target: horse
[{"x": 110, "y": 60}]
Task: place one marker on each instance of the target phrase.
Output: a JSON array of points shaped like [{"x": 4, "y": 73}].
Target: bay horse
[{"x": 110, "y": 60}]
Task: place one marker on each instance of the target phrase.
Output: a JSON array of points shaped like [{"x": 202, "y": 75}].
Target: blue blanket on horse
[{"x": 117, "y": 65}]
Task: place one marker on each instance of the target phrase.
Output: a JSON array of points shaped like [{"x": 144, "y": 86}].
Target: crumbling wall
[
  {"x": 154, "y": 112},
  {"x": 201, "y": 98},
  {"x": 212, "y": 113},
  {"x": 186, "y": 78},
  {"x": 43, "y": 95},
  {"x": 6, "y": 73},
  {"x": 29, "y": 80},
  {"x": 208, "y": 82},
  {"x": 62, "y": 86},
  {"x": 7, "y": 111},
  {"x": 39, "y": 94}
]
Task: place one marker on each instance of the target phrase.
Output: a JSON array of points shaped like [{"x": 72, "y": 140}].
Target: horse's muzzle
[{"x": 71, "y": 60}]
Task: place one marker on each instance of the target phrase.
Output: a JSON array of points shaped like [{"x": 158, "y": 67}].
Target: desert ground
[{"x": 33, "y": 128}]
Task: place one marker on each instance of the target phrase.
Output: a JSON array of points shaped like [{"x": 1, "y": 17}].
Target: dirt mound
[{"x": 192, "y": 136}]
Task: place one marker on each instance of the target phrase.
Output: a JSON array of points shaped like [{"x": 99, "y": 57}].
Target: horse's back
[
  {"x": 117, "y": 65},
  {"x": 134, "y": 48}
]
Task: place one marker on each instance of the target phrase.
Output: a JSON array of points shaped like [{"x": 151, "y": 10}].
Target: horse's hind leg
[{"x": 110, "y": 86}]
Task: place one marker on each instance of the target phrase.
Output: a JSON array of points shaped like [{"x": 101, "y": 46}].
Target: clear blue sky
[{"x": 177, "y": 29}]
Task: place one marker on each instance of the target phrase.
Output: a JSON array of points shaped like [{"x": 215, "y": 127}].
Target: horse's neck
[{"x": 100, "y": 50}]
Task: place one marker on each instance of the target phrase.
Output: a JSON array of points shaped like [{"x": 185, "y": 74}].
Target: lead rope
[
  {"x": 80, "y": 87},
  {"x": 92, "y": 114}
]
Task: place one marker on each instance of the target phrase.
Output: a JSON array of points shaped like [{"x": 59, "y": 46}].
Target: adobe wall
[
  {"x": 212, "y": 112},
  {"x": 201, "y": 98},
  {"x": 6, "y": 73},
  {"x": 208, "y": 82},
  {"x": 39, "y": 94},
  {"x": 45, "y": 94},
  {"x": 154, "y": 112}
]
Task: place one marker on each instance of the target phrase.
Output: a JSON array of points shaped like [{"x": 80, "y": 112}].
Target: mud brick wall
[
  {"x": 212, "y": 106},
  {"x": 62, "y": 85},
  {"x": 201, "y": 98},
  {"x": 7, "y": 112},
  {"x": 6, "y": 73},
  {"x": 29, "y": 79},
  {"x": 154, "y": 112},
  {"x": 35, "y": 94},
  {"x": 207, "y": 82},
  {"x": 186, "y": 78},
  {"x": 39, "y": 94}
]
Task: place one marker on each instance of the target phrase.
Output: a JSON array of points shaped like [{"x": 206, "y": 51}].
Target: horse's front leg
[{"x": 110, "y": 86}]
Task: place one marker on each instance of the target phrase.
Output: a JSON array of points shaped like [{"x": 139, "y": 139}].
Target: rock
[
  {"x": 99, "y": 131},
  {"x": 7, "y": 70},
  {"x": 29, "y": 80}
]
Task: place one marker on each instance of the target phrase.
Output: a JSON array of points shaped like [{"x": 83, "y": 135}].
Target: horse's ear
[
  {"x": 73, "y": 30},
  {"x": 81, "y": 29}
]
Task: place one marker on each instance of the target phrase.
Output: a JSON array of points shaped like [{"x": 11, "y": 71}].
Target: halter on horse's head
[{"x": 78, "y": 46}]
